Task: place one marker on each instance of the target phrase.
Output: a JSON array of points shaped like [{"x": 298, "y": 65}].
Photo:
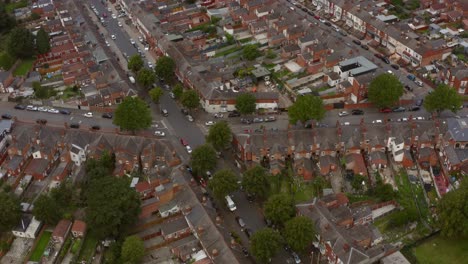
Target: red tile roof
[
  {"x": 79, "y": 226},
  {"x": 61, "y": 229}
]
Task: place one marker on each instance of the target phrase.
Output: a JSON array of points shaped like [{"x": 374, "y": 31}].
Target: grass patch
[
  {"x": 228, "y": 51},
  {"x": 14, "y": 5},
  {"x": 69, "y": 92},
  {"x": 40, "y": 247},
  {"x": 439, "y": 250},
  {"x": 305, "y": 192},
  {"x": 89, "y": 246},
  {"x": 24, "y": 67}
]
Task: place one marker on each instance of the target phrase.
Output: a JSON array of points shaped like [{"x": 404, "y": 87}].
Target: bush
[{"x": 6, "y": 61}]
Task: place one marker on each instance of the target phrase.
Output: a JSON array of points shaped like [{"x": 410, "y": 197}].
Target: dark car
[
  {"x": 377, "y": 55},
  {"x": 107, "y": 115},
  {"x": 7, "y": 116},
  {"x": 248, "y": 232},
  {"x": 41, "y": 121},
  {"x": 75, "y": 125},
  {"x": 414, "y": 108},
  {"x": 245, "y": 251},
  {"x": 20, "y": 107},
  {"x": 343, "y": 33},
  {"x": 394, "y": 66},
  {"x": 310, "y": 13},
  {"x": 250, "y": 197},
  {"x": 65, "y": 112},
  {"x": 241, "y": 222},
  {"x": 357, "y": 112},
  {"x": 234, "y": 114},
  {"x": 357, "y": 42},
  {"x": 386, "y": 60},
  {"x": 246, "y": 121},
  {"x": 183, "y": 142},
  {"x": 364, "y": 46},
  {"x": 328, "y": 24},
  {"x": 184, "y": 111},
  {"x": 385, "y": 110},
  {"x": 399, "y": 109},
  {"x": 95, "y": 127},
  {"x": 407, "y": 87}
]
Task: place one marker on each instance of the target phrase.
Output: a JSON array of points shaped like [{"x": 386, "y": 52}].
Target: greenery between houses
[
  {"x": 440, "y": 250},
  {"x": 88, "y": 248},
  {"x": 40, "y": 246},
  {"x": 24, "y": 67}
]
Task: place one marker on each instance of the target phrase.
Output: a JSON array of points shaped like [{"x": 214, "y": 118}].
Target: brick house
[
  {"x": 61, "y": 231},
  {"x": 78, "y": 229},
  {"x": 6, "y": 79},
  {"x": 456, "y": 78}
]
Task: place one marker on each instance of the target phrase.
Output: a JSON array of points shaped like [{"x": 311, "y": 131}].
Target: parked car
[
  {"x": 172, "y": 95},
  {"x": 395, "y": 66},
  {"x": 419, "y": 102},
  {"x": 95, "y": 127},
  {"x": 328, "y": 24},
  {"x": 65, "y": 112},
  {"x": 245, "y": 251},
  {"x": 164, "y": 112},
  {"x": 74, "y": 125},
  {"x": 184, "y": 111},
  {"x": 364, "y": 46},
  {"x": 42, "y": 109},
  {"x": 113, "y": 37},
  {"x": 20, "y": 107},
  {"x": 240, "y": 222},
  {"x": 378, "y": 121},
  {"x": 411, "y": 77},
  {"x": 343, "y": 113},
  {"x": 107, "y": 115},
  {"x": 419, "y": 83},
  {"x": 53, "y": 111},
  {"x": 189, "y": 149},
  {"x": 89, "y": 114},
  {"x": 190, "y": 118},
  {"x": 399, "y": 109},
  {"x": 183, "y": 142},
  {"x": 270, "y": 119},
  {"x": 386, "y": 60},
  {"x": 297, "y": 260},
  {"x": 248, "y": 232},
  {"x": 408, "y": 88},
  {"x": 357, "y": 42},
  {"x": 379, "y": 56},
  {"x": 414, "y": 108},
  {"x": 132, "y": 41},
  {"x": 31, "y": 108},
  {"x": 246, "y": 121},
  {"x": 258, "y": 120},
  {"x": 218, "y": 115},
  {"x": 7, "y": 116},
  {"x": 385, "y": 110},
  {"x": 41, "y": 121},
  {"x": 234, "y": 114},
  {"x": 159, "y": 133},
  {"x": 357, "y": 112},
  {"x": 209, "y": 123}
]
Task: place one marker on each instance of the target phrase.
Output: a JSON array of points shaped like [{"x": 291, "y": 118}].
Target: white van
[
  {"x": 132, "y": 80},
  {"x": 231, "y": 205}
]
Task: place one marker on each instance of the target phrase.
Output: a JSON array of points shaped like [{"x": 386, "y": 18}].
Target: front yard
[
  {"x": 439, "y": 250},
  {"x": 40, "y": 246}
]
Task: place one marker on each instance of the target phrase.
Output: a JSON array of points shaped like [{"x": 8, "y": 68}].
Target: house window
[{"x": 457, "y": 145}]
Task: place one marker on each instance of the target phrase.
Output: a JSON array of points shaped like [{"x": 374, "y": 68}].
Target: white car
[
  {"x": 109, "y": 9},
  {"x": 53, "y": 111},
  {"x": 114, "y": 16},
  {"x": 209, "y": 123},
  {"x": 42, "y": 109},
  {"x": 140, "y": 38},
  {"x": 190, "y": 118},
  {"x": 189, "y": 149},
  {"x": 89, "y": 114},
  {"x": 378, "y": 121},
  {"x": 119, "y": 24},
  {"x": 390, "y": 72},
  {"x": 322, "y": 20},
  {"x": 107, "y": 43},
  {"x": 159, "y": 133},
  {"x": 343, "y": 113},
  {"x": 146, "y": 47},
  {"x": 31, "y": 108},
  {"x": 150, "y": 65},
  {"x": 132, "y": 41},
  {"x": 346, "y": 124},
  {"x": 113, "y": 37},
  {"x": 419, "y": 118},
  {"x": 172, "y": 95}
]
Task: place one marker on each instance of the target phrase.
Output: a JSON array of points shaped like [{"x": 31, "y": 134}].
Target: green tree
[
  {"x": 112, "y": 206},
  {"x": 305, "y": 108},
  {"x": 190, "y": 99},
  {"x": 251, "y": 52},
  {"x": 357, "y": 181},
  {"x": 279, "y": 208},
  {"x": 7, "y": 22},
  {"x": 246, "y": 103},
  {"x": 156, "y": 94},
  {"x": 453, "y": 212},
  {"x": 255, "y": 181},
  {"x": 146, "y": 77},
  {"x": 203, "y": 159},
  {"x": 21, "y": 43},
  {"x": 55, "y": 205},
  {"x": 165, "y": 67},
  {"x": 39, "y": 91},
  {"x": 299, "y": 233},
  {"x": 223, "y": 183},
  {"x": 220, "y": 135},
  {"x": 444, "y": 97},
  {"x": 178, "y": 90},
  {"x": 135, "y": 63},
  {"x": 10, "y": 211},
  {"x": 42, "y": 41},
  {"x": 265, "y": 243},
  {"x": 133, "y": 250},
  {"x": 132, "y": 114},
  {"x": 6, "y": 61},
  {"x": 385, "y": 90}
]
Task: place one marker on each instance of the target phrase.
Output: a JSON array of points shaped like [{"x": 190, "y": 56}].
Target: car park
[
  {"x": 41, "y": 121},
  {"x": 20, "y": 107},
  {"x": 240, "y": 222},
  {"x": 357, "y": 112},
  {"x": 89, "y": 114},
  {"x": 7, "y": 116},
  {"x": 159, "y": 133},
  {"x": 399, "y": 109},
  {"x": 209, "y": 123},
  {"x": 107, "y": 115},
  {"x": 343, "y": 113},
  {"x": 189, "y": 149},
  {"x": 74, "y": 125}
]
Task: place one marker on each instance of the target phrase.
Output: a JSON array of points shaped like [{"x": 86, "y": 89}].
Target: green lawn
[
  {"x": 40, "y": 247},
  {"x": 14, "y": 5},
  {"x": 24, "y": 67},
  {"x": 439, "y": 250},
  {"x": 88, "y": 248}
]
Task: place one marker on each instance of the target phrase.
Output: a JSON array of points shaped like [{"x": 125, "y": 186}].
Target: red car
[
  {"x": 316, "y": 17},
  {"x": 183, "y": 142},
  {"x": 385, "y": 110}
]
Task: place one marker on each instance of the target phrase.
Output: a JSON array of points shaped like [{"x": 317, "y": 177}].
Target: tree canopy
[
  {"x": 251, "y": 52},
  {"x": 135, "y": 63},
  {"x": 165, "y": 67},
  {"x": 220, "y": 135},
  {"x": 385, "y": 90},
  {"x": 10, "y": 211},
  {"x": 305, "y": 108},
  {"x": 246, "y": 103},
  {"x": 42, "y": 41},
  {"x": 203, "y": 159},
  {"x": 53, "y": 206},
  {"x": 132, "y": 114},
  {"x": 190, "y": 99},
  {"x": 255, "y": 181},
  {"x": 265, "y": 243},
  {"x": 178, "y": 90},
  {"x": 146, "y": 77},
  {"x": 7, "y": 22},
  {"x": 223, "y": 183},
  {"x": 133, "y": 250},
  {"x": 112, "y": 206},
  {"x": 453, "y": 212},
  {"x": 21, "y": 43},
  {"x": 279, "y": 208},
  {"x": 299, "y": 232},
  {"x": 156, "y": 94},
  {"x": 442, "y": 98}
]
